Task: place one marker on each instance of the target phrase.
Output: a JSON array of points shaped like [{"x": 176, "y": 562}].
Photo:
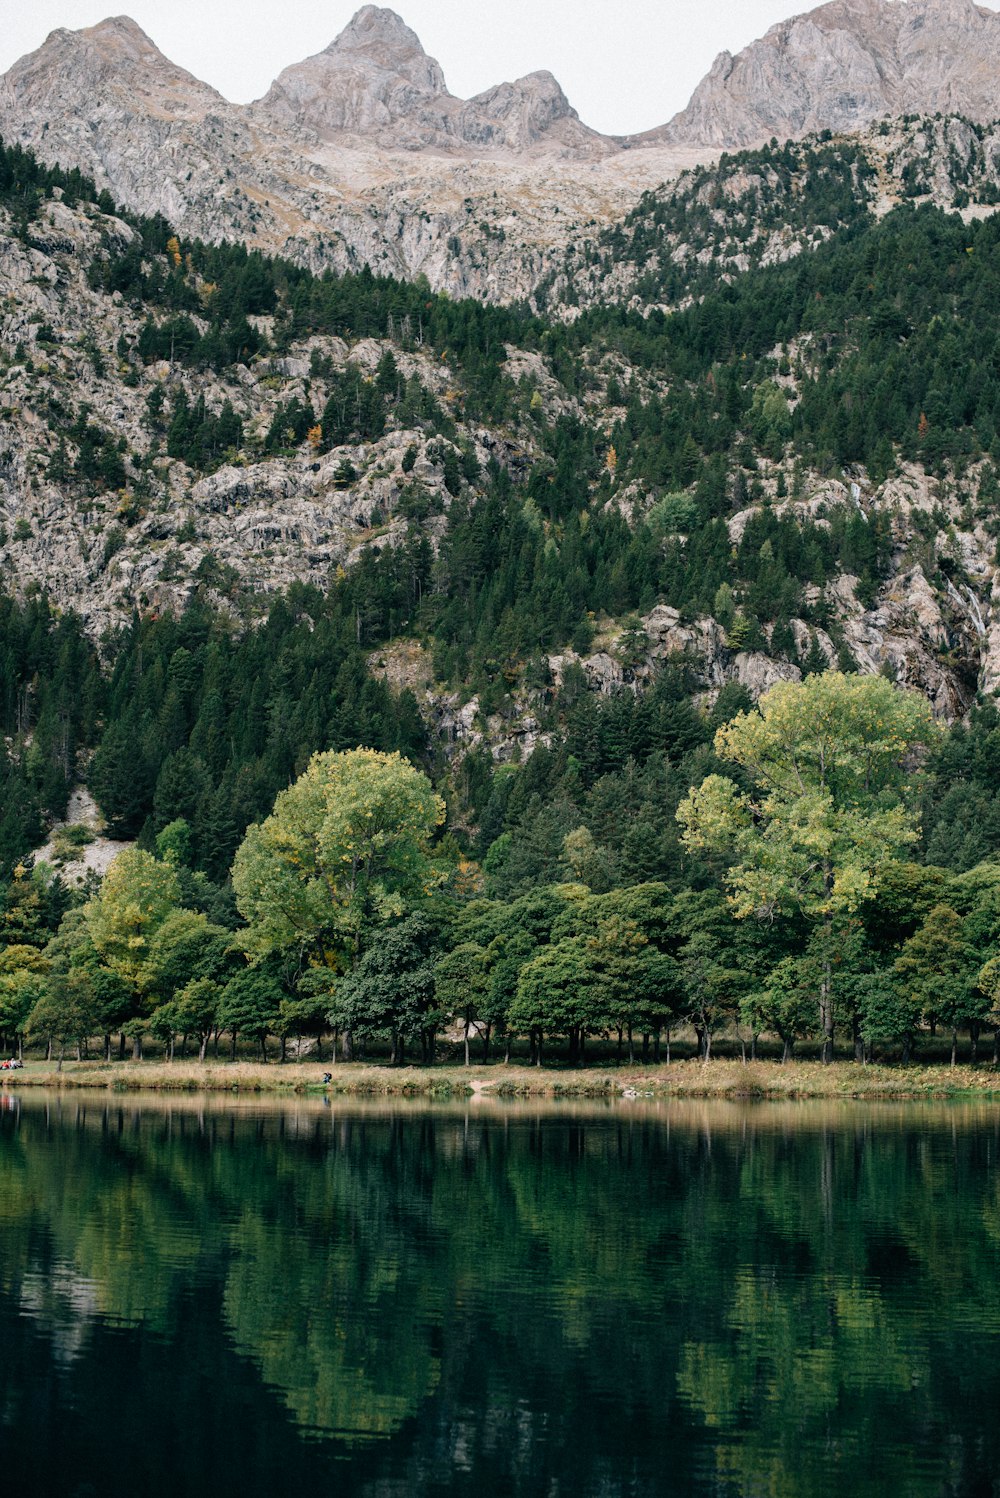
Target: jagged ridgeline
[{"x": 556, "y": 485}]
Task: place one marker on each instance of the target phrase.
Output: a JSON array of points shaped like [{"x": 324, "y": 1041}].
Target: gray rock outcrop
[{"x": 845, "y": 64}]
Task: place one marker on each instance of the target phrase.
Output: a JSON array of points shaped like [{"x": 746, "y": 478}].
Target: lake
[{"x": 204, "y": 1297}]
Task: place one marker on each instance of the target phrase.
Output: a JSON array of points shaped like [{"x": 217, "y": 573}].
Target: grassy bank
[{"x": 724, "y": 1079}]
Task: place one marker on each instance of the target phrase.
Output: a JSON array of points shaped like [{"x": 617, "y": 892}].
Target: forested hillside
[{"x": 252, "y": 515}]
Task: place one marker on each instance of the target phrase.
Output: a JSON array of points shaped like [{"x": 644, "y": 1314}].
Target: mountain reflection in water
[{"x": 203, "y": 1296}]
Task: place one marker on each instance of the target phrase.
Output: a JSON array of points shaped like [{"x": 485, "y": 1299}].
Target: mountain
[
  {"x": 376, "y": 82},
  {"x": 845, "y": 64},
  {"x": 356, "y": 156}
]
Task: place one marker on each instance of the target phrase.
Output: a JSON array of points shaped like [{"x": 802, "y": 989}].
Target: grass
[{"x": 687, "y": 1078}]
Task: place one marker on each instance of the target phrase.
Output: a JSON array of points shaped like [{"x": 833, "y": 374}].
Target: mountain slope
[
  {"x": 801, "y": 461},
  {"x": 356, "y": 156},
  {"x": 765, "y": 206}
]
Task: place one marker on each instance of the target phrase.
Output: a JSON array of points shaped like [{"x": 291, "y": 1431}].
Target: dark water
[{"x": 692, "y": 1299}]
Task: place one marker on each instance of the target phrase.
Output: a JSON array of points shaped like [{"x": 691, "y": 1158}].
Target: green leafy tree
[
  {"x": 192, "y": 1010},
  {"x": 785, "y": 1003},
  {"x": 830, "y": 804},
  {"x": 346, "y": 850},
  {"x": 23, "y": 971},
  {"x": 462, "y": 984},
  {"x": 558, "y": 994},
  {"x": 391, "y": 990},
  {"x": 250, "y": 1005},
  {"x": 66, "y": 1009},
  {"x": 938, "y": 970}
]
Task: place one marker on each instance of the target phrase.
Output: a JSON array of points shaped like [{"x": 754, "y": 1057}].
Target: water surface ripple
[{"x": 203, "y": 1297}]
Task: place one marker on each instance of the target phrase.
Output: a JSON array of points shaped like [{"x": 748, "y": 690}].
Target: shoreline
[{"x": 767, "y": 1080}]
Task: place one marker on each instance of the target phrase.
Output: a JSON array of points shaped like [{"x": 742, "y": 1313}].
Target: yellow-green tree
[
  {"x": 137, "y": 896},
  {"x": 831, "y": 800},
  {"x": 346, "y": 849}
]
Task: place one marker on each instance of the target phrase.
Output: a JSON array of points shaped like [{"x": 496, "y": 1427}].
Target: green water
[{"x": 683, "y": 1298}]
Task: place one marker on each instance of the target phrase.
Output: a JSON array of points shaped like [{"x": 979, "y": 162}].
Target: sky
[{"x": 626, "y": 65}]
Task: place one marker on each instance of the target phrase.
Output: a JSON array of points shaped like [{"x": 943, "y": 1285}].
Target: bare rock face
[
  {"x": 845, "y": 64},
  {"x": 518, "y": 115},
  {"x": 376, "y": 82},
  {"x": 108, "y": 64}
]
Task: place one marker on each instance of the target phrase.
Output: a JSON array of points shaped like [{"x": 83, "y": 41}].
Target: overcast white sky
[{"x": 626, "y": 65}]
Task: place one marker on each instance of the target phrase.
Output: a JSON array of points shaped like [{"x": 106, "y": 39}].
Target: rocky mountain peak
[
  {"x": 84, "y": 73},
  {"x": 845, "y": 64},
  {"x": 376, "y": 82},
  {"x": 121, "y": 36},
  {"x": 376, "y": 28},
  {"x": 381, "y": 39}
]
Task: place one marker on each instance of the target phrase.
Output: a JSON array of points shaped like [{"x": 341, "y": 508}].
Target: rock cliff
[{"x": 845, "y": 64}]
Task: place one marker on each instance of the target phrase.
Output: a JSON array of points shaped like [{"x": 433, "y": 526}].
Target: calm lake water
[{"x": 199, "y": 1298}]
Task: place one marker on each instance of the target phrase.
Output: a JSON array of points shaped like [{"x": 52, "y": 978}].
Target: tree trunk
[
  {"x": 137, "y": 1047},
  {"x": 656, "y": 1046},
  {"x": 538, "y": 1047},
  {"x": 621, "y": 1040},
  {"x": 786, "y": 1054},
  {"x": 466, "y": 1039},
  {"x": 954, "y": 1044},
  {"x": 170, "y": 1049},
  {"x": 203, "y": 1047},
  {"x": 753, "y": 1046},
  {"x": 62, "y": 1052},
  {"x": 347, "y": 1046},
  {"x": 506, "y": 1049},
  {"x": 631, "y": 1048},
  {"x": 826, "y": 1014},
  {"x": 996, "y": 1046},
  {"x": 859, "y": 1047},
  {"x": 232, "y": 1047},
  {"x": 263, "y": 1049},
  {"x": 284, "y": 1049},
  {"x": 907, "y": 1049},
  {"x": 668, "y": 1045},
  {"x": 121, "y": 1046},
  {"x": 486, "y": 1042},
  {"x": 645, "y": 1045},
  {"x": 974, "y": 1028},
  {"x": 826, "y": 987}
]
